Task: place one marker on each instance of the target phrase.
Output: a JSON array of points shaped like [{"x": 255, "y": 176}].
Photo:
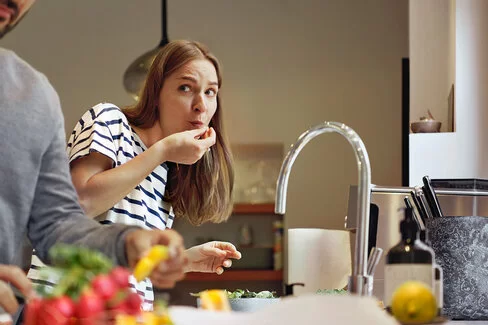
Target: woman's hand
[
  {"x": 211, "y": 257},
  {"x": 188, "y": 147},
  {"x": 139, "y": 242},
  {"x": 15, "y": 276}
]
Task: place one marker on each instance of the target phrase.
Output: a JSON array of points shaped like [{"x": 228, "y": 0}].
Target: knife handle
[
  {"x": 420, "y": 206},
  {"x": 431, "y": 197},
  {"x": 418, "y": 219}
]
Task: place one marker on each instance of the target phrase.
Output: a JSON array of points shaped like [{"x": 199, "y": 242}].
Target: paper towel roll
[{"x": 320, "y": 258}]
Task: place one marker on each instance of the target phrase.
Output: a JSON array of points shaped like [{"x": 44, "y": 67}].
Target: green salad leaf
[
  {"x": 240, "y": 293},
  {"x": 244, "y": 293}
]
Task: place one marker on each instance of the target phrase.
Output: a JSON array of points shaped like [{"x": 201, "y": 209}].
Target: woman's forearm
[{"x": 103, "y": 190}]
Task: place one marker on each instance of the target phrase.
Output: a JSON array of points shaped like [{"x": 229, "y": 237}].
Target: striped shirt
[{"x": 106, "y": 130}]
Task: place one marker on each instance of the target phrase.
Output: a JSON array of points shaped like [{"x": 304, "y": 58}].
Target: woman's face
[{"x": 188, "y": 99}]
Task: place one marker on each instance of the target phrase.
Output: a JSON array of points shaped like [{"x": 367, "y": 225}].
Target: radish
[
  {"x": 31, "y": 311},
  {"x": 120, "y": 276},
  {"x": 104, "y": 286},
  {"x": 133, "y": 303},
  {"x": 56, "y": 311},
  {"x": 90, "y": 305}
]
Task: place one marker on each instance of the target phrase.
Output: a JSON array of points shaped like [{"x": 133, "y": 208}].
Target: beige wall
[
  {"x": 432, "y": 57},
  {"x": 288, "y": 65}
]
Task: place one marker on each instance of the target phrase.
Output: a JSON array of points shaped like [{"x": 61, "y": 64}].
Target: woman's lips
[{"x": 197, "y": 124}]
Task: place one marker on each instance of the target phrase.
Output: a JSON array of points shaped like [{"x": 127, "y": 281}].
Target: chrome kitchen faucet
[{"x": 360, "y": 282}]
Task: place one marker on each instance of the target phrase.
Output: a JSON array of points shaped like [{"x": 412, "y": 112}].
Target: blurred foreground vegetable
[
  {"x": 146, "y": 265},
  {"x": 90, "y": 291},
  {"x": 215, "y": 300}
]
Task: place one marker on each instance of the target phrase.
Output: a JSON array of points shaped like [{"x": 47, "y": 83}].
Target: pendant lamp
[{"x": 136, "y": 73}]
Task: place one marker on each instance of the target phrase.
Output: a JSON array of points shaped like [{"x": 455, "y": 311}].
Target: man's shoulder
[
  {"x": 14, "y": 67},
  {"x": 6, "y": 54},
  {"x": 26, "y": 87},
  {"x": 10, "y": 60}
]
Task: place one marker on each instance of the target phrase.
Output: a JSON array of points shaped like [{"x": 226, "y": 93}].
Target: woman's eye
[
  {"x": 184, "y": 88},
  {"x": 211, "y": 92}
]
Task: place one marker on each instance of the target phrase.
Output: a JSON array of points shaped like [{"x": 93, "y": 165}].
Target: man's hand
[
  {"x": 211, "y": 257},
  {"x": 139, "y": 242},
  {"x": 16, "y": 277}
]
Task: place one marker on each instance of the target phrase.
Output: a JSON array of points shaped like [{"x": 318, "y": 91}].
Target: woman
[{"x": 164, "y": 156}]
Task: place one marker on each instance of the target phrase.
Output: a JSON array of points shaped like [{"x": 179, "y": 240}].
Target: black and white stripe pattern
[{"x": 105, "y": 129}]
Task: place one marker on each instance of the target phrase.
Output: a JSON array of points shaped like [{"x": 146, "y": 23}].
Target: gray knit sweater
[{"x": 37, "y": 197}]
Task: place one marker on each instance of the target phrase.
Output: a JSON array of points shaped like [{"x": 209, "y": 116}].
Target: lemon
[{"x": 414, "y": 303}]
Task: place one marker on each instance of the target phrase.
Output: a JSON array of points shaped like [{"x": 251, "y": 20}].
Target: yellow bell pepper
[
  {"x": 215, "y": 300},
  {"x": 146, "y": 265},
  {"x": 123, "y": 319}
]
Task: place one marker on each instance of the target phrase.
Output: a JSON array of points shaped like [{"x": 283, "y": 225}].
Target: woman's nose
[{"x": 199, "y": 104}]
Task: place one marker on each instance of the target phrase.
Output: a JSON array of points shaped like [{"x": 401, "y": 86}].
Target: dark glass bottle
[
  {"x": 408, "y": 260},
  {"x": 438, "y": 274}
]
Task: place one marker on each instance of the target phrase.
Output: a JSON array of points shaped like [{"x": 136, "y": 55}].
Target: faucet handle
[{"x": 374, "y": 259}]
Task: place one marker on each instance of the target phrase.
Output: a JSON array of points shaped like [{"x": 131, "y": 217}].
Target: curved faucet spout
[{"x": 360, "y": 281}]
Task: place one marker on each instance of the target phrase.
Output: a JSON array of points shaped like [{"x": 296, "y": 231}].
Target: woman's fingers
[
  {"x": 219, "y": 270},
  {"x": 227, "y": 263},
  {"x": 230, "y": 250},
  {"x": 198, "y": 133},
  {"x": 209, "y": 138}
]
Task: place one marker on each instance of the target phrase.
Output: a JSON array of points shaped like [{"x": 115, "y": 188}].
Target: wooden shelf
[
  {"x": 237, "y": 275},
  {"x": 259, "y": 208}
]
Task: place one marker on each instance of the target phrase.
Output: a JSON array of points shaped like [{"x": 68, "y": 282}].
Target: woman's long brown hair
[{"x": 203, "y": 191}]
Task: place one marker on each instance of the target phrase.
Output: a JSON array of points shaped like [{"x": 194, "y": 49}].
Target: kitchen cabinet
[
  {"x": 256, "y": 215},
  {"x": 249, "y": 208},
  {"x": 245, "y": 211}
]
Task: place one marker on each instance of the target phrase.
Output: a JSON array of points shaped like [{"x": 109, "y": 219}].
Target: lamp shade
[{"x": 136, "y": 73}]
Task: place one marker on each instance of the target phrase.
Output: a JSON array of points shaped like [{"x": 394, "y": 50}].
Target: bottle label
[
  {"x": 397, "y": 274},
  {"x": 439, "y": 293},
  {"x": 439, "y": 286}
]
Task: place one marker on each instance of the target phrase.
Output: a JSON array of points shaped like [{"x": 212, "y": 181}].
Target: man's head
[{"x": 11, "y": 12}]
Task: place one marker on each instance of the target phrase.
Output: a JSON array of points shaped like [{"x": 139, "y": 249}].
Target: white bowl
[
  {"x": 248, "y": 304},
  {"x": 251, "y": 304}
]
